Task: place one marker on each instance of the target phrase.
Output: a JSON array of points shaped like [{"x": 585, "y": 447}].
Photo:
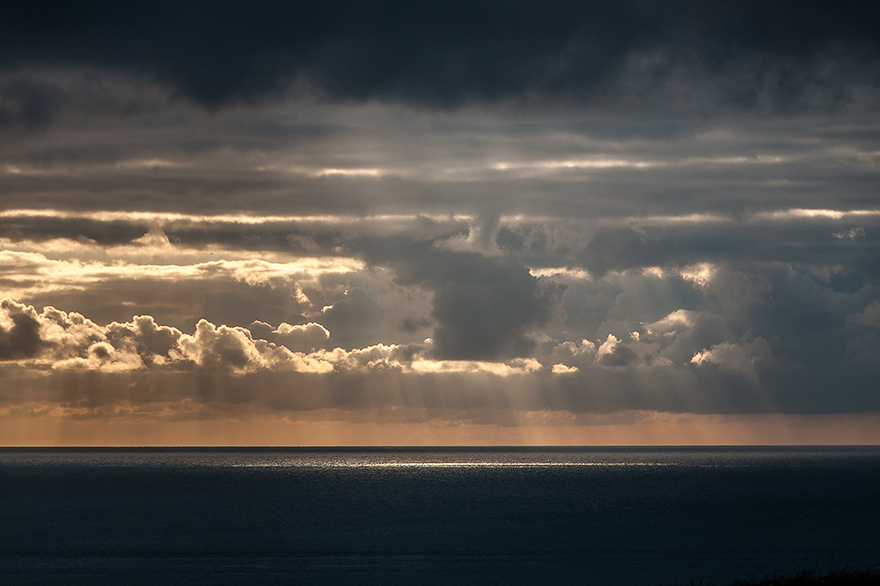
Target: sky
[{"x": 479, "y": 222}]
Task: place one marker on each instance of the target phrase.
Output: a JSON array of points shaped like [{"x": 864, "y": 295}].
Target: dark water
[{"x": 615, "y": 516}]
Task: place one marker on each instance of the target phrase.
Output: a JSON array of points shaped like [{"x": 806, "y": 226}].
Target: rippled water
[{"x": 621, "y": 516}]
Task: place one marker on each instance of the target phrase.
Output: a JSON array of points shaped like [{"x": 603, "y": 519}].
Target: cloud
[
  {"x": 353, "y": 320},
  {"x": 64, "y": 341},
  {"x": 852, "y": 233},
  {"x": 19, "y": 331},
  {"x": 152, "y": 341},
  {"x": 452, "y": 212},
  {"x": 736, "y": 356},
  {"x": 228, "y": 348},
  {"x": 27, "y": 104},
  {"x": 503, "y": 369},
  {"x": 870, "y": 316},
  {"x": 411, "y": 325},
  {"x": 484, "y": 308},
  {"x": 481, "y": 238},
  {"x": 239, "y": 304},
  {"x": 445, "y": 54},
  {"x": 69, "y": 341},
  {"x": 103, "y": 357},
  {"x": 613, "y": 353},
  {"x": 140, "y": 366},
  {"x": 304, "y": 337}
]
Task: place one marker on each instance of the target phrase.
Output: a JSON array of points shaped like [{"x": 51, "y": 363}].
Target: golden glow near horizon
[{"x": 658, "y": 429}]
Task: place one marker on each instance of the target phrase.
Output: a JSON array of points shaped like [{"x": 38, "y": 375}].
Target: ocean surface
[{"x": 588, "y": 516}]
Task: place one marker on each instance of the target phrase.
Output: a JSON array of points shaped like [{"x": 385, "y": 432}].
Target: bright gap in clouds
[{"x": 160, "y": 218}]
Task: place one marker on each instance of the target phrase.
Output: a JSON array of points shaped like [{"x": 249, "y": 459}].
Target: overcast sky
[{"x": 457, "y": 222}]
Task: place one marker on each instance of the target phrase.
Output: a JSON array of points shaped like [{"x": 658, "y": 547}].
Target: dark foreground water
[{"x": 615, "y": 516}]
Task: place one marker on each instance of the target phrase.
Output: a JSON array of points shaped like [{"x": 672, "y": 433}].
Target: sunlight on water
[
  {"x": 443, "y": 464},
  {"x": 600, "y": 516},
  {"x": 419, "y": 459}
]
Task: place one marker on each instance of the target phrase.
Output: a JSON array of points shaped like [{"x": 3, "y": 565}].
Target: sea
[{"x": 612, "y": 516}]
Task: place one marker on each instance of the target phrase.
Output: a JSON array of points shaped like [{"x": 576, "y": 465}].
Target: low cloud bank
[{"x": 683, "y": 362}]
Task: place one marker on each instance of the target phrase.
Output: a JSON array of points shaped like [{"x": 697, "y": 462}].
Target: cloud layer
[
  {"x": 781, "y": 55},
  {"x": 439, "y": 214}
]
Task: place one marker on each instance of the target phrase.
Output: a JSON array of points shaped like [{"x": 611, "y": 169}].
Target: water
[{"x": 613, "y": 516}]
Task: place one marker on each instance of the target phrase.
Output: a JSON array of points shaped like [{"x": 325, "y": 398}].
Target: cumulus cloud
[
  {"x": 676, "y": 321},
  {"x": 303, "y": 337},
  {"x": 569, "y": 352},
  {"x": 19, "y": 331},
  {"x": 152, "y": 341},
  {"x": 614, "y": 353},
  {"x": 101, "y": 356},
  {"x": 870, "y": 316},
  {"x": 69, "y": 341},
  {"x": 65, "y": 340},
  {"x": 734, "y": 356}
]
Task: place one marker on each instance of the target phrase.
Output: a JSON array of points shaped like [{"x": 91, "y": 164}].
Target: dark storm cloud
[
  {"x": 241, "y": 304},
  {"x": 354, "y": 319},
  {"x": 26, "y": 104},
  {"x": 484, "y": 308},
  {"x": 376, "y": 160},
  {"x": 812, "y": 243},
  {"x": 788, "y": 54},
  {"x": 22, "y": 338},
  {"x": 42, "y": 228},
  {"x": 807, "y": 318},
  {"x": 242, "y": 233},
  {"x": 412, "y": 325},
  {"x": 33, "y": 100}
]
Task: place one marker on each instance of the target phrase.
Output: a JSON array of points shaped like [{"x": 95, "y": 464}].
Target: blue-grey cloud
[
  {"x": 484, "y": 308},
  {"x": 789, "y": 54},
  {"x": 21, "y": 339}
]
